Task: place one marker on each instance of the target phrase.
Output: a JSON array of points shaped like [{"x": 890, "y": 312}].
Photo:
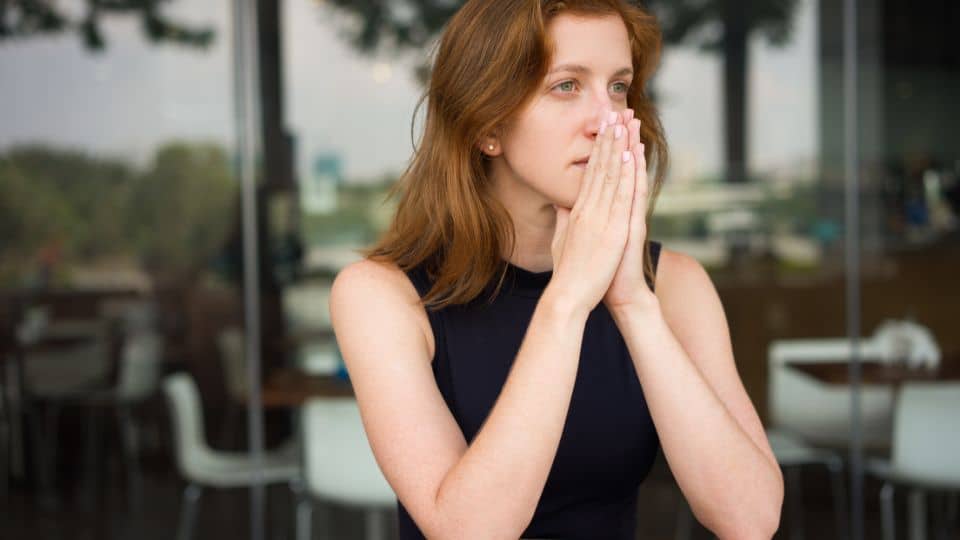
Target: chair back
[
  {"x": 190, "y": 446},
  {"x": 140, "y": 366},
  {"x": 233, "y": 362},
  {"x": 338, "y": 462},
  {"x": 926, "y": 439},
  {"x": 817, "y": 412}
]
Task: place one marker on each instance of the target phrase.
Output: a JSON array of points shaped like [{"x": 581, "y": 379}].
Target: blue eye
[
  {"x": 624, "y": 87},
  {"x": 566, "y": 86}
]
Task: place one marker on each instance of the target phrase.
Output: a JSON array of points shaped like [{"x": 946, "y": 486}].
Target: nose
[{"x": 599, "y": 114}]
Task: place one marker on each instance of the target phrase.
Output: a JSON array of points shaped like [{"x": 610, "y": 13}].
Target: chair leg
[
  {"x": 886, "y": 509},
  {"x": 304, "y": 517},
  {"x": 4, "y": 441},
  {"x": 684, "y": 528},
  {"x": 794, "y": 484},
  {"x": 91, "y": 475},
  {"x": 45, "y": 448},
  {"x": 952, "y": 511},
  {"x": 918, "y": 514},
  {"x": 376, "y": 524},
  {"x": 839, "y": 498},
  {"x": 188, "y": 512},
  {"x": 128, "y": 436},
  {"x": 5, "y": 431}
]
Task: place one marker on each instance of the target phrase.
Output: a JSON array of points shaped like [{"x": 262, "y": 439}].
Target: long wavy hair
[{"x": 492, "y": 56}]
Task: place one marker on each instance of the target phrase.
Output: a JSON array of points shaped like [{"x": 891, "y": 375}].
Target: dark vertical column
[{"x": 735, "y": 68}]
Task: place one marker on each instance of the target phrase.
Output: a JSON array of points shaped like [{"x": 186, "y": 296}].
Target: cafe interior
[{"x": 181, "y": 181}]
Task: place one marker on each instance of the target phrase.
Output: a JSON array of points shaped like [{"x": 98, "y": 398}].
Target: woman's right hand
[{"x": 590, "y": 238}]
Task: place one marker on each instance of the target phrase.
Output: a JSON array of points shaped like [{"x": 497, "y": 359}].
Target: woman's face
[{"x": 546, "y": 146}]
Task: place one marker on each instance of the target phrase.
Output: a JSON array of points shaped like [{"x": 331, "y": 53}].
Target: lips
[{"x": 581, "y": 162}]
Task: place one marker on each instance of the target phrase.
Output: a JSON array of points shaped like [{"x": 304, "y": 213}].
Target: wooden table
[
  {"x": 873, "y": 371},
  {"x": 291, "y": 387}
]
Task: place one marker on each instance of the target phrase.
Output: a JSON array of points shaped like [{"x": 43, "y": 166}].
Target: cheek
[{"x": 539, "y": 153}]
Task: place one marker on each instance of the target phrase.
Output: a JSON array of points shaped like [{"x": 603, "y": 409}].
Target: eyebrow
[{"x": 577, "y": 68}]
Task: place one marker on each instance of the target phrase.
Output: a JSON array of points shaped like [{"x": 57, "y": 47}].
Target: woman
[{"x": 514, "y": 365}]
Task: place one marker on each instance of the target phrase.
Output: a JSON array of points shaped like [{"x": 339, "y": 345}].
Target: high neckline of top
[{"x": 525, "y": 282}]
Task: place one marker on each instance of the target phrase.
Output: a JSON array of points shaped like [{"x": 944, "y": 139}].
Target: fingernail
[
  {"x": 629, "y": 114},
  {"x": 612, "y": 117},
  {"x": 603, "y": 126},
  {"x": 617, "y": 131},
  {"x": 626, "y": 156}
]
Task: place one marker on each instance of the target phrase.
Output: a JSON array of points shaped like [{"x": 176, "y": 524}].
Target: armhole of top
[
  {"x": 421, "y": 282},
  {"x": 655, "y": 259}
]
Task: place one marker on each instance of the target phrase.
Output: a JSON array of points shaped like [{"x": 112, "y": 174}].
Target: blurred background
[{"x": 181, "y": 180}]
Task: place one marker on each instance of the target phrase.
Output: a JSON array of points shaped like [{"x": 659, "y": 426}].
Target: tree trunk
[{"x": 735, "y": 64}]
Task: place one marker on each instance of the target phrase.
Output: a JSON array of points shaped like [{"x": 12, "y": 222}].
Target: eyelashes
[{"x": 625, "y": 86}]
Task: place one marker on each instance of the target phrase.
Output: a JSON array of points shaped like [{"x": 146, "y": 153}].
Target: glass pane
[{"x": 120, "y": 262}]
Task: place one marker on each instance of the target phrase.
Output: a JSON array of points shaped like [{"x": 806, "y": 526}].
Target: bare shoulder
[
  {"x": 687, "y": 295},
  {"x": 382, "y": 293},
  {"x": 679, "y": 276}
]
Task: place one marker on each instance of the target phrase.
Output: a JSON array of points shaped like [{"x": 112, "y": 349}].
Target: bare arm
[
  {"x": 491, "y": 488},
  {"x": 495, "y": 487},
  {"x": 711, "y": 435}
]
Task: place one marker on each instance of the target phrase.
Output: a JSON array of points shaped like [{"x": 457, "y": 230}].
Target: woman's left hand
[{"x": 629, "y": 288}]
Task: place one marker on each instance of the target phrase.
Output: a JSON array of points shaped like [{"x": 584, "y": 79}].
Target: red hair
[{"x": 492, "y": 56}]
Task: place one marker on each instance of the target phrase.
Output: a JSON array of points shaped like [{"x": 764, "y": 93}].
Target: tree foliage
[
  {"x": 26, "y": 18},
  {"x": 172, "y": 216},
  {"x": 389, "y": 25}
]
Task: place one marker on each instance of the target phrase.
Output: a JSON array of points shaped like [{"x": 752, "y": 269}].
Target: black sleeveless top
[{"x": 608, "y": 443}]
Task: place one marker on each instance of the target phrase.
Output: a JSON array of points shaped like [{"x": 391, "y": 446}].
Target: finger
[
  {"x": 622, "y": 204},
  {"x": 599, "y": 168},
  {"x": 634, "y": 127},
  {"x": 611, "y": 177},
  {"x": 587, "y": 183},
  {"x": 627, "y": 119}
]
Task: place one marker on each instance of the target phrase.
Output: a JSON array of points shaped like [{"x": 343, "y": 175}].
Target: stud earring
[{"x": 490, "y": 147}]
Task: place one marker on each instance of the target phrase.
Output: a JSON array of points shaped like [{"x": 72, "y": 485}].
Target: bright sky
[{"x": 135, "y": 96}]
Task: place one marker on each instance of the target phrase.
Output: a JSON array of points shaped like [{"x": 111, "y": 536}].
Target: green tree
[
  {"x": 173, "y": 217},
  {"x": 182, "y": 207},
  {"x": 383, "y": 27}
]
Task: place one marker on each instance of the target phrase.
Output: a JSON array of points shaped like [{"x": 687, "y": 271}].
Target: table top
[
  {"x": 873, "y": 371},
  {"x": 306, "y": 336},
  {"x": 291, "y": 387}
]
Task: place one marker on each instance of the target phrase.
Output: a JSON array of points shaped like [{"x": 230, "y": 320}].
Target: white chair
[
  {"x": 793, "y": 454},
  {"x": 817, "y": 413},
  {"x": 53, "y": 376},
  {"x": 201, "y": 466},
  {"x": 138, "y": 379},
  {"x": 339, "y": 466},
  {"x": 809, "y": 419},
  {"x": 233, "y": 367},
  {"x": 925, "y": 455}
]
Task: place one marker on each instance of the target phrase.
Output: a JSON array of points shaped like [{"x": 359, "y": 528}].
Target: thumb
[{"x": 560, "y": 231}]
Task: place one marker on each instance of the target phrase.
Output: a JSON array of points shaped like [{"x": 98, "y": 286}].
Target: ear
[{"x": 490, "y": 146}]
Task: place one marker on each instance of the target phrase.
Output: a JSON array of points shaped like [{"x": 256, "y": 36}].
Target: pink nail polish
[
  {"x": 603, "y": 127},
  {"x": 617, "y": 131},
  {"x": 612, "y": 117},
  {"x": 626, "y": 156}
]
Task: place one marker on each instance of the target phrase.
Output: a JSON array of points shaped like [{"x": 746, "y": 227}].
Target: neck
[{"x": 534, "y": 220}]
